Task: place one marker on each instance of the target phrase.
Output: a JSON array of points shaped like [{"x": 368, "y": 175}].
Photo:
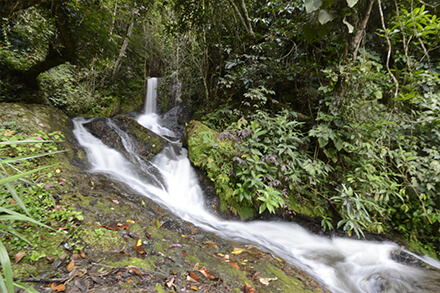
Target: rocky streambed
[{"x": 123, "y": 242}]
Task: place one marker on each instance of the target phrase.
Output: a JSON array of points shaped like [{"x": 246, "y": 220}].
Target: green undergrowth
[
  {"x": 365, "y": 165},
  {"x": 32, "y": 221}
]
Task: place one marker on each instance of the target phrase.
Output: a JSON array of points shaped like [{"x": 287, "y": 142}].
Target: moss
[
  {"x": 304, "y": 207},
  {"x": 143, "y": 134},
  {"x": 144, "y": 263},
  {"x": 209, "y": 152},
  {"x": 284, "y": 283},
  {"x": 103, "y": 240}
]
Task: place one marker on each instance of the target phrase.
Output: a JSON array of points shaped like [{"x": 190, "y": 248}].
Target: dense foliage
[{"x": 323, "y": 107}]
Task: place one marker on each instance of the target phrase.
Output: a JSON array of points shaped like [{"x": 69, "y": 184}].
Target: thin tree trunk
[
  {"x": 361, "y": 30},
  {"x": 123, "y": 50},
  {"x": 244, "y": 17}
]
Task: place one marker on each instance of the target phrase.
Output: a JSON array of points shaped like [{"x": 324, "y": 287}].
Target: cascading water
[{"x": 343, "y": 265}]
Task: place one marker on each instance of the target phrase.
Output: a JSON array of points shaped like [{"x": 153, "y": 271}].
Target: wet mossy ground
[{"x": 126, "y": 243}]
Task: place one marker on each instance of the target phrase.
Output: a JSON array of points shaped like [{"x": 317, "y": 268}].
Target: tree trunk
[
  {"x": 123, "y": 49},
  {"x": 361, "y": 30}
]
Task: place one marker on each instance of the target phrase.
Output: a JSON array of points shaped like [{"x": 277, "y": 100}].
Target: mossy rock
[
  {"x": 205, "y": 147},
  {"x": 145, "y": 142}
]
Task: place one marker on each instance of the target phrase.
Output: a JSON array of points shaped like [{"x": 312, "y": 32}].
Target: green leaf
[
  {"x": 14, "y": 216},
  {"x": 6, "y": 268},
  {"x": 312, "y": 5},
  {"x": 352, "y": 3},
  {"x": 21, "y": 175},
  {"x": 325, "y": 16}
]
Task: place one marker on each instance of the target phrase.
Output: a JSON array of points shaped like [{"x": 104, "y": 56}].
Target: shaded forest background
[{"x": 325, "y": 108}]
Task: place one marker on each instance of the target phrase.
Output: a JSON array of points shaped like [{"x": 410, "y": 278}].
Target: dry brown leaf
[
  {"x": 122, "y": 226},
  {"x": 19, "y": 256},
  {"x": 196, "y": 267},
  {"x": 83, "y": 255},
  {"x": 76, "y": 256},
  {"x": 194, "y": 277},
  {"x": 208, "y": 274},
  {"x": 58, "y": 288},
  {"x": 139, "y": 248},
  {"x": 194, "y": 288},
  {"x": 71, "y": 265},
  {"x": 50, "y": 258},
  {"x": 211, "y": 244},
  {"x": 62, "y": 181},
  {"x": 248, "y": 288},
  {"x": 134, "y": 270},
  {"x": 234, "y": 264},
  {"x": 184, "y": 253}
]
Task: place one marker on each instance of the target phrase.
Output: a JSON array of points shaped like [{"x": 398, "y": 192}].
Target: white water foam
[{"x": 343, "y": 265}]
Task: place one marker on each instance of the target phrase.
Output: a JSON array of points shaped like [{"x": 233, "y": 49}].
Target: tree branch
[{"x": 387, "y": 37}]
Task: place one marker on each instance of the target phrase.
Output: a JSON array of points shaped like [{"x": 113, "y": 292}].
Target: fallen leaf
[
  {"x": 62, "y": 181},
  {"x": 266, "y": 281},
  {"x": 130, "y": 221},
  {"x": 83, "y": 255},
  {"x": 196, "y": 267},
  {"x": 13, "y": 201},
  {"x": 208, "y": 274},
  {"x": 193, "y": 277},
  {"x": 19, "y": 256},
  {"x": 248, "y": 289},
  {"x": 170, "y": 283},
  {"x": 71, "y": 265},
  {"x": 108, "y": 227},
  {"x": 75, "y": 256},
  {"x": 211, "y": 244},
  {"x": 134, "y": 270},
  {"x": 115, "y": 201},
  {"x": 50, "y": 259},
  {"x": 194, "y": 288},
  {"x": 123, "y": 226},
  {"x": 239, "y": 250},
  {"x": 139, "y": 248},
  {"x": 234, "y": 264},
  {"x": 58, "y": 288},
  {"x": 184, "y": 253}
]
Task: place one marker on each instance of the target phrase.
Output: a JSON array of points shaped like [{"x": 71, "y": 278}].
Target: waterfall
[
  {"x": 343, "y": 265},
  {"x": 151, "y": 96}
]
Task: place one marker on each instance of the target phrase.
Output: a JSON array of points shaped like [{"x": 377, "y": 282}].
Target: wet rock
[
  {"x": 175, "y": 121},
  {"x": 126, "y": 136}
]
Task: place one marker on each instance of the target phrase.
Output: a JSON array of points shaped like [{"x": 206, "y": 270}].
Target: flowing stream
[{"x": 342, "y": 265}]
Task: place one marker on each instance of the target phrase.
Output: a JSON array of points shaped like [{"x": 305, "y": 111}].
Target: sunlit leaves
[
  {"x": 325, "y": 16},
  {"x": 352, "y": 3},
  {"x": 312, "y": 5}
]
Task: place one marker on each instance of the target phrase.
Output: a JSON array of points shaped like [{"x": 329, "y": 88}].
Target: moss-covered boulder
[
  {"x": 213, "y": 153},
  {"x": 144, "y": 142}
]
